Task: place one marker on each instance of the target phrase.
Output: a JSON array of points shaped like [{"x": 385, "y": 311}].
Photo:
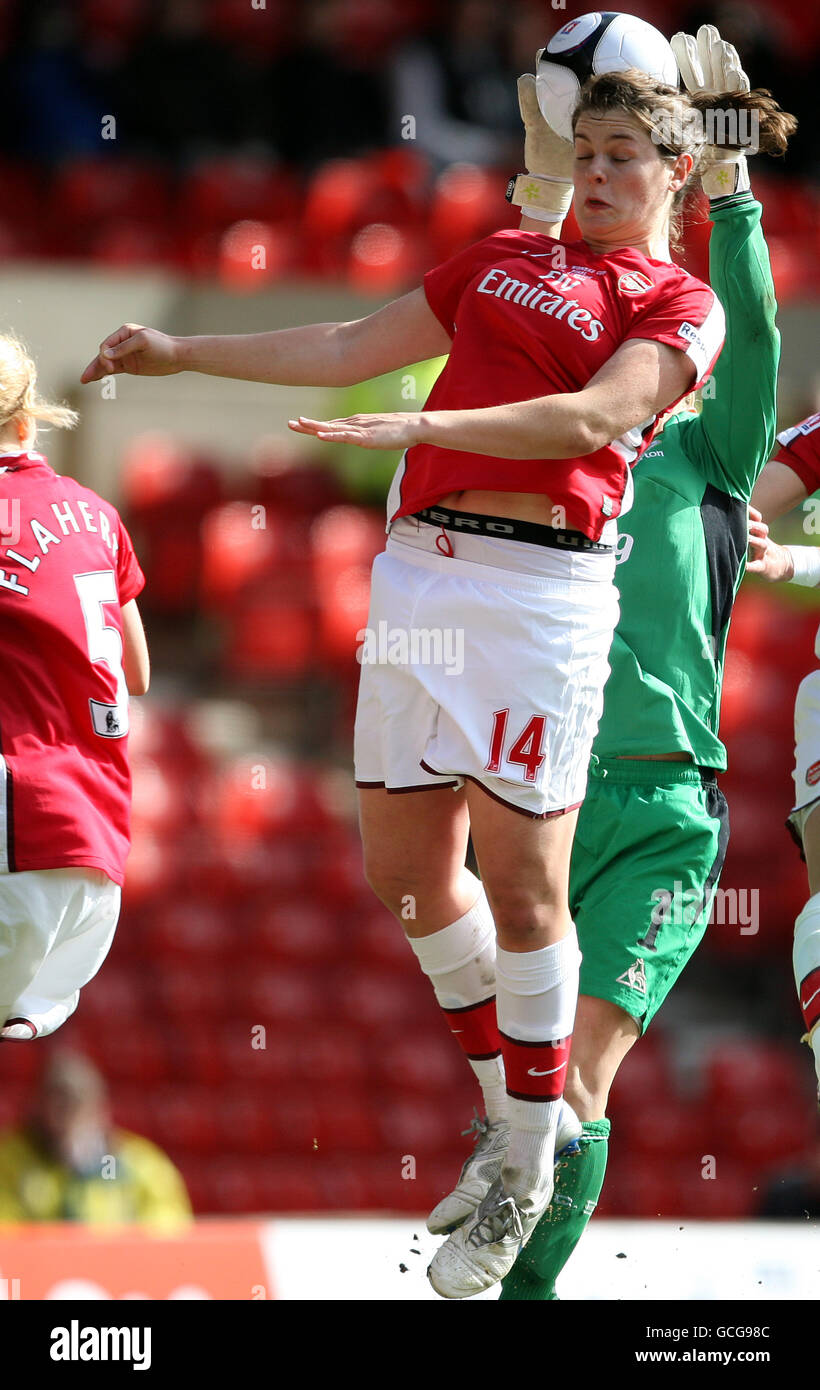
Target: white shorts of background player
[{"x": 56, "y": 928}]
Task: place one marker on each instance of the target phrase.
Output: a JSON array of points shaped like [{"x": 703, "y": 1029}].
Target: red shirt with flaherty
[{"x": 67, "y": 567}]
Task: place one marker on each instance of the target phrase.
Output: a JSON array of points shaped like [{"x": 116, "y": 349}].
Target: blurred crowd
[{"x": 317, "y": 79}]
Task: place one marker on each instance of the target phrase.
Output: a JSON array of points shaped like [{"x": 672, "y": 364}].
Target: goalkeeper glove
[
  {"x": 710, "y": 66},
  {"x": 547, "y": 193}
]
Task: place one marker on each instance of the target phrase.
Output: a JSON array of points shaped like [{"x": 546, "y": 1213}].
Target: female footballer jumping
[
  {"x": 502, "y": 524},
  {"x": 653, "y": 830}
]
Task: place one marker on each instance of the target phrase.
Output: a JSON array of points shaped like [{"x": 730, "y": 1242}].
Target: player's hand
[
  {"x": 395, "y": 431},
  {"x": 710, "y": 67},
  {"x": 708, "y": 64},
  {"x": 136, "y": 350},
  {"x": 548, "y": 195},
  {"x": 770, "y": 560},
  {"x": 545, "y": 153}
]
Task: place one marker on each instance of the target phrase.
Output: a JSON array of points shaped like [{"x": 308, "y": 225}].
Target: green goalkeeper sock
[{"x": 579, "y": 1178}]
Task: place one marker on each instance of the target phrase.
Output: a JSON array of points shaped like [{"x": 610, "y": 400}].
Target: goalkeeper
[{"x": 654, "y": 824}]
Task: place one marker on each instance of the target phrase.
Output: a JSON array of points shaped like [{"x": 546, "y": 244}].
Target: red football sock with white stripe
[
  {"x": 460, "y": 963},
  {"x": 536, "y": 997}
]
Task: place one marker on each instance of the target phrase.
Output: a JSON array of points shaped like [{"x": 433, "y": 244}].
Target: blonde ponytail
[{"x": 18, "y": 389}]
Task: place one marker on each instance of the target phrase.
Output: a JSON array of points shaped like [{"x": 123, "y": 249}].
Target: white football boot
[
  {"x": 476, "y": 1178},
  {"x": 484, "y": 1249},
  {"x": 483, "y": 1167}
]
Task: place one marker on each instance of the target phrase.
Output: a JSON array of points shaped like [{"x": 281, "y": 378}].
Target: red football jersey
[
  {"x": 530, "y": 316},
  {"x": 801, "y": 451},
  {"x": 67, "y": 566}
]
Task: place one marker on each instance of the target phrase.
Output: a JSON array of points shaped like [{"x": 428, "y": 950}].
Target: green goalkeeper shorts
[{"x": 648, "y": 852}]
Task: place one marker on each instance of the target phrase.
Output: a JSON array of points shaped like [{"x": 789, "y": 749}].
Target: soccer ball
[{"x": 592, "y": 44}]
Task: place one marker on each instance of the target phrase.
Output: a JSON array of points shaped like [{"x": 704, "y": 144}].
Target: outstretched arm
[
  {"x": 637, "y": 382},
  {"x": 319, "y": 354}
]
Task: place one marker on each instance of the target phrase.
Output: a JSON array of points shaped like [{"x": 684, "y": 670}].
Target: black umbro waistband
[{"x": 510, "y": 529}]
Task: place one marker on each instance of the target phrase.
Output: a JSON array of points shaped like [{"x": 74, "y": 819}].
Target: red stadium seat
[
  {"x": 134, "y": 1054},
  {"x": 261, "y": 30},
  {"x": 383, "y": 259},
  {"x": 414, "y": 1125},
  {"x": 222, "y": 190},
  {"x": 732, "y": 1194},
  {"x": 378, "y": 940},
  {"x": 283, "y": 995},
  {"x": 426, "y": 1065},
  {"x": 190, "y": 929},
  {"x": 667, "y": 1129},
  {"x": 335, "y": 1054},
  {"x": 239, "y": 1038},
  {"x": 130, "y": 241},
  {"x": 187, "y": 1119},
  {"x": 234, "y": 1185},
  {"x": 644, "y": 1077},
  {"x": 344, "y": 602},
  {"x": 90, "y": 189},
  {"x": 339, "y": 880},
  {"x": 245, "y": 1125},
  {"x": 287, "y": 1185},
  {"x": 270, "y": 642},
  {"x": 158, "y": 798},
  {"x": 372, "y": 998},
  {"x": 338, "y": 199},
  {"x": 149, "y": 872},
  {"x": 252, "y": 254},
  {"x": 301, "y": 931},
  {"x": 468, "y": 203},
  {"x": 294, "y": 1113},
  {"x": 345, "y": 1122},
  {"x": 188, "y": 989},
  {"x": 343, "y": 538},
  {"x": 286, "y": 483},
  {"x": 752, "y": 1069},
  {"x": 759, "y": 1132},
  {"x": 236, "y": 551}
]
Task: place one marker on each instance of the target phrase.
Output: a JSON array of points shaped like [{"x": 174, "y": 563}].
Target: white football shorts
[
  {"x": 487, "y": 664},
  {"x": 806, "y": 753},
  {"x": 56, "y": 927}
]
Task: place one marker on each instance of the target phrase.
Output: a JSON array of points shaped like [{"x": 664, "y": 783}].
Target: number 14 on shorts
[{"x": 526, "y": 750}]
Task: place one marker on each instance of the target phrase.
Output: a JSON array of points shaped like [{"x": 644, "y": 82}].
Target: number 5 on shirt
[{"x": 104, "y": 644}]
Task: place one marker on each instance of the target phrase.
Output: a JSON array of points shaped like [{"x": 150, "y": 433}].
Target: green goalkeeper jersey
[{"x": 682, "y": 547}]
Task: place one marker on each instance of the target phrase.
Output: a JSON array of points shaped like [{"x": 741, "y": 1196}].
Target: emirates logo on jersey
[
  {"x": 813, "y": 774},
  {"x": 633, "y": 282}
]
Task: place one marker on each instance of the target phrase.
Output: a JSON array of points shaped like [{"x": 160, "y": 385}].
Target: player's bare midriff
[{"x": 519, "y": 506}]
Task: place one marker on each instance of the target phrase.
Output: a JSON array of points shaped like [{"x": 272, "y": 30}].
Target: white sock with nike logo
[{"x": 536, "y": 997}]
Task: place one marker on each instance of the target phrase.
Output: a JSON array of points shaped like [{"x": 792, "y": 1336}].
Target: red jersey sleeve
[
  {"x": 800, "y": 451},
  {"x": 689, "y": 317},
  {"x": 130, "y": 578},
  {"x": 445, "y": 284}
]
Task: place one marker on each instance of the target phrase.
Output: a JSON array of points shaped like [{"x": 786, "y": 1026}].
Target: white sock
[
  {"x": 459, "y": 960},
  {"x": 536, "y": 998}
]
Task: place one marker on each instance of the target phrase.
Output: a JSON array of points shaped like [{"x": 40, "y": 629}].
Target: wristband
[
  {"x": 726, "y": 175},
  {"x": 538, "y": 195},
  {"x": 806, "y": 561}
]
